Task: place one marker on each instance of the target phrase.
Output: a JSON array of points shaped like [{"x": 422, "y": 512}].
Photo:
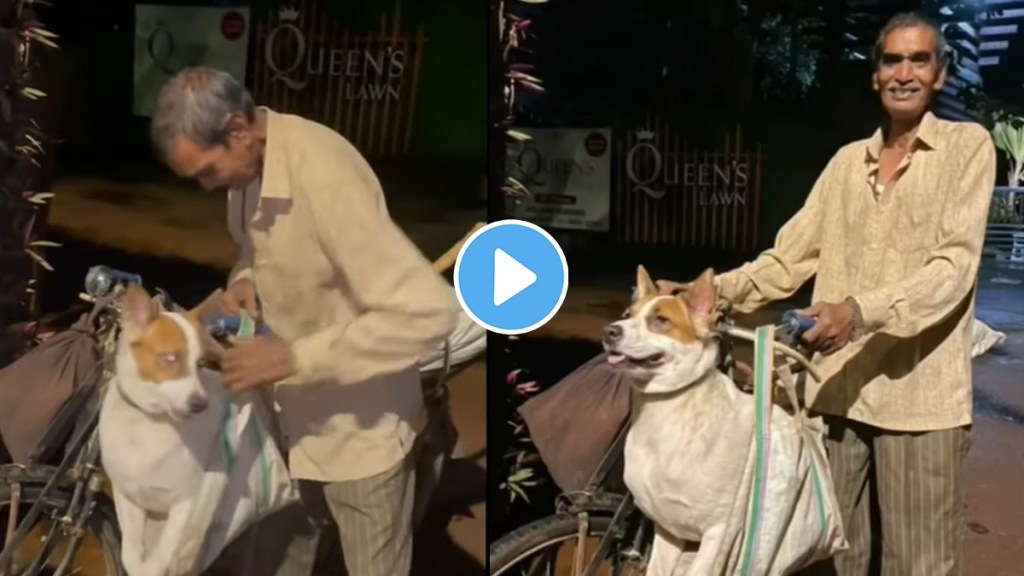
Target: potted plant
[
  {"x": 1008, "y": 135},
  {"x": 22, "y": 144}
]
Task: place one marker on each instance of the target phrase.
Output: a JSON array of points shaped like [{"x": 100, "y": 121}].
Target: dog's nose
[
  {"x": 612, "y": 333},
  {"x": 197, "y": 403}
]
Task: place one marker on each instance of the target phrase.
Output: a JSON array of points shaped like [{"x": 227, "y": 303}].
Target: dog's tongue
[{"x": 616, "y": 359}]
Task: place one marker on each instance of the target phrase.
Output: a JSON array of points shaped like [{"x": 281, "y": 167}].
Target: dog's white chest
[
  {"x": 152, "y": 462},
  {"x": 684, "y": 458}
]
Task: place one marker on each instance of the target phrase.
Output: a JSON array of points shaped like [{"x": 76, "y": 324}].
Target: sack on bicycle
[
  {"x": 45, "y": 379},
  {"x": 574, "y": 422}
]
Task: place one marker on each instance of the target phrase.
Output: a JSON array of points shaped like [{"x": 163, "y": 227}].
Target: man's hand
[
  {"x": 241, "y": 295},
  {"x": 668, "y": 287},
  {"x": 833, "y": 327},
  {"x": 255, "y": 362}
]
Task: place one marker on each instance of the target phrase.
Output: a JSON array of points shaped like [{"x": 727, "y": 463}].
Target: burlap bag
[
  {"x": 574, "y": 422},
  {"x": 35, "y": 387}
]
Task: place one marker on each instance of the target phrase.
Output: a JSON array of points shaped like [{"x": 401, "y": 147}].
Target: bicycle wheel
[
  {"x": 548, "y": 547},
  {"x": 42, "y": 551}
]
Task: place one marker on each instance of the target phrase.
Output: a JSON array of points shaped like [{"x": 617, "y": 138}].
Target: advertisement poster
[
  {"x": 169, "y": 38},
  {"x": 567, "y": 172}
]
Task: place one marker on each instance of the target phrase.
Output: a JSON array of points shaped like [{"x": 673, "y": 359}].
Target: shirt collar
[
  {"x": 274, "y": 180},
  {"x": 927, "y": 135}
]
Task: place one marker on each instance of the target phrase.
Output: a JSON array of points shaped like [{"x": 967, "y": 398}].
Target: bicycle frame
[{"x": 80, "y": 469}]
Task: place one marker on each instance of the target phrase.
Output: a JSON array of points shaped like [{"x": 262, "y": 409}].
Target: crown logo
[
  {"x": 645, "y": 134},
  {"x": 288, "y": 14}
]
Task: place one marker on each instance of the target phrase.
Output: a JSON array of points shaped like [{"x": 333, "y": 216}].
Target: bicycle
[
  {"x": 74, "y": 496},
  {"x": 604, "y": 526}
]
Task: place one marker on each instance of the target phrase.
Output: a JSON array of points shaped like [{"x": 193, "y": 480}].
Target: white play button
[{"x": 510, "y": 277}]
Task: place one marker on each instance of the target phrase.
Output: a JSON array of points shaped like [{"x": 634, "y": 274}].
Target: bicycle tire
[
  {"x": 520, "y": 543},
  {"x": 101, "y": 523}
]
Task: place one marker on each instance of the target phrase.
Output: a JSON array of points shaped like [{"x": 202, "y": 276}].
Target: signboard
[
  {"x": 672, "y": 192},
  {"x": 367, "y": 72},
  {"x": 567, "y": 172},
  {"x": 362, "y": 83},
  {"x": 169, "y": 38}
]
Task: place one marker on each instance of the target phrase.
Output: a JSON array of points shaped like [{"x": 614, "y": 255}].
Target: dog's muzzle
[{"x": 612, "y": 335}]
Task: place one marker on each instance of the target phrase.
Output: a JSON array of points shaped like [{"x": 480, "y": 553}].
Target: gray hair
[
  {"x": 911, "y": 20},
  {"x": 196, "y": 104}
]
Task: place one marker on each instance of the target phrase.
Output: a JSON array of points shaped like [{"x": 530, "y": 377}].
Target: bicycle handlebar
[
  {"x": 100, "y": 280},
  {"x": 796, "y": 324},
  {"x": 226, "y": 324}
]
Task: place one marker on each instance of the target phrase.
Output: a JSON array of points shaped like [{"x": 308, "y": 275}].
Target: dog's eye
[
  {"x": 625, "y": 314},
  {"x": 169, "y": 358},
  {"x": 661, "y": 321}
]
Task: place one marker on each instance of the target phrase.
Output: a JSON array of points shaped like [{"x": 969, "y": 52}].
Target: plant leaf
[
  {"x": 518, "y": 490},
  {"x": 518, "y": 136},
  {"x": 40, "y": 197},
  {"x": 521, "y": 474},
  {"x": 42, "y": 261},
  {"x": 32, "y": 93}
]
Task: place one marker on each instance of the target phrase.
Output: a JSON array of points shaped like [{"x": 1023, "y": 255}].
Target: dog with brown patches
[
  {"x": 690, "y": 437},
  {"x": 155, "y": 429}
]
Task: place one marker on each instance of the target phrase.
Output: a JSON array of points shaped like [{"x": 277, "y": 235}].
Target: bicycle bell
[{"x": 100, "y": 280}]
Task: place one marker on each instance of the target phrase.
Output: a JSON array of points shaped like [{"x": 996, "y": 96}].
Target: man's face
[
  {"x": 234, "y": 164},
  {"x": 909, "y": 72}
]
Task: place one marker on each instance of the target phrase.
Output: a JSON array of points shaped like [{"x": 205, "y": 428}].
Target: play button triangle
[{"x": 510, "y": 277}]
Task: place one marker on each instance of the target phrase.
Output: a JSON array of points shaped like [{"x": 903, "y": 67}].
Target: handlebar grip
[
  {"x": 227, "y": 324},
  {"x": 100, "y": 280},
  {"x": 796, "y": 324}
]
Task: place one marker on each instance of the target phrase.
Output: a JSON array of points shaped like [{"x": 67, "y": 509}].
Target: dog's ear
[
  {"x": 645, "y": 287},
  {"x": 137, "y": 310},
  {"x": 702, "y": 297}
]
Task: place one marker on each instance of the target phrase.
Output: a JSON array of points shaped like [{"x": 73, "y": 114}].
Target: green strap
[
  {"x": 227, "y": 425},
  {"x": 263, "y": 500},
  {"x": 762, "y": 441}
]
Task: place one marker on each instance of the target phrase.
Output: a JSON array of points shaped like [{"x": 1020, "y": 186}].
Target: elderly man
[
  {"x": 893, "y": 229},
  {"x": 352, "y": 302}
]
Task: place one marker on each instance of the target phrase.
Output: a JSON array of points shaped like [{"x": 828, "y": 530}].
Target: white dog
[
  {"x": 155, "y": 429},
  {"x": 689, "y": 444}
]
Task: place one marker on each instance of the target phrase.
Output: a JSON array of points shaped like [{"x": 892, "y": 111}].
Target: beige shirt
[
  {"x": 909, "y": 255},
  {"x": 352, "y": 294}
]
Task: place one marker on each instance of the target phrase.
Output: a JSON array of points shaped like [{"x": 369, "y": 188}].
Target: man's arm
[
  {"x": 407, "y": 307},
  {"x": 930, "y": 294},
  {"x": 780, "y": 271}
]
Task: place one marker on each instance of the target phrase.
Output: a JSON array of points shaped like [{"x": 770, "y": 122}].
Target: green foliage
[
  {"x": 1008, "y": 135},
  {"x": 22, "y": 143},
  {"x": 515, "y": 34},
  {"x": 789, "y": 71}
]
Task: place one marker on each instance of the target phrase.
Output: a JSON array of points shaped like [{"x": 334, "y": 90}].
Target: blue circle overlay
[{"x": 532, "y": 247}]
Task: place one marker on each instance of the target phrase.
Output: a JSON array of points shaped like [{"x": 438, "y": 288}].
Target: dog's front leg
[
  {"x": 162, "y": 560},
  {"x": 132, "y": 519}
]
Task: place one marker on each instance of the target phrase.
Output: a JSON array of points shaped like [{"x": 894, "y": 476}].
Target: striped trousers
[
  {"x": 901, "y": 497},
  {"x": 373, "y": 517}
]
